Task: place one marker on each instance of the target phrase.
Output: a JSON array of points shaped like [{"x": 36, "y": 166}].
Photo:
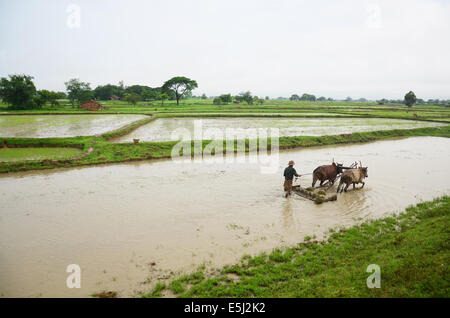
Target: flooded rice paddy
[
  {"x": 41, "y": 126},
  {"x": 162, "y": 129},
  {"x": 126, "y": 223}
]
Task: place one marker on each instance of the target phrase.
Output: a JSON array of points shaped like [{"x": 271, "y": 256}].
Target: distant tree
[
  {"x": 132, "y": 98},
  {"x": 257, "y": 100},
  {"x": 308, "y": 97},
  {"x": 410, "y": 99},
  {"x": 19, "y": 92},
  {"x": 78, "y": 91},
  {"x": 226, "y": 98},
  {"x": 180, "y": 85},
  {"x": 294, "y": 97},
  {"x": 245, "y": 97},
  {"x": 204, "y": 96},
  {"x": 162, "y": 97},
  {"x": 49, "y": 97},
  {"x": 267, "y": 97},
  {"x": 321, "y": 99},
  {"x": 348, "y": 99},
  {"x": 105, "y": 92},
  {"x": 330, "y": 99},
  {"x": 217, "y": 101},
  {"x": 362, "y": 99},
  {"x": 62, "y": 95},
  {"x": 382, "y": 101},
  {"x": 151, "y": 93}
]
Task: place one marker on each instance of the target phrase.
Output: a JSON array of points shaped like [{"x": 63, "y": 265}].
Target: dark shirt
[{"x": 289, "y": 173}]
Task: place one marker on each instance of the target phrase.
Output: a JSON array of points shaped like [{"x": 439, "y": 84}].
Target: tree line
[{"x": 20, "y": 92}]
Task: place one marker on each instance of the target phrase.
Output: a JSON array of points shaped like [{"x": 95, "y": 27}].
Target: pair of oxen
[{"x": 348, "y": 175}]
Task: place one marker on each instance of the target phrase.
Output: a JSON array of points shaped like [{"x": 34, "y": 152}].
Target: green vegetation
[
  {"x": 132, "y": 98},
  {"x": 180, "y": 86},
  {"x": 19, "y": 92},
  {"x": 78, "y": 92},
  {"x": 412, "y": 250},
  {"x": 410, "y": 99},
  {"x": 22, "y": 154}
]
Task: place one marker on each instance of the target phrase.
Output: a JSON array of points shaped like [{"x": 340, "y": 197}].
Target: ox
[
  {"x": 352, "y": 176},
  {"x": 328, "y": 172}
]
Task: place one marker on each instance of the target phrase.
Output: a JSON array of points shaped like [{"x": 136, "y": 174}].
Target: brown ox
[
  {"x": 328, "y": 172},
  {"x": 352, "y": 176}
]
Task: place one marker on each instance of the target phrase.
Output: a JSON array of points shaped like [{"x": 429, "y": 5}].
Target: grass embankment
[
  {"x": 23, "y": 154},
  {"x": 412, "y": 250},
  {"x": 106, "y": 152}
]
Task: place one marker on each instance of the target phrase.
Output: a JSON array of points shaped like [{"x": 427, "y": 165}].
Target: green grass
[
  {"x": 411, "y": 248},
  {"x": 22, "y": 154}
]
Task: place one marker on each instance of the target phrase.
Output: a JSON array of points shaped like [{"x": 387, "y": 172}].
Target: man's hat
[{"x": 291, "y": 163}]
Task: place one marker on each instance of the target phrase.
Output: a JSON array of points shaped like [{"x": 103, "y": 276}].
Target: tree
[
  {"x": 105, "y": 92},
  {"x": 258, "y": 101},
  {"x": 180, "y": 85},
  {"x": 163, "y": 97},
  {"x": 308, "y": 97},
  {"x": 226, "y": 98},
  {"x": 294, "y": 97},
  {"x": 19, "y": 92},
  {"x": 49, "y": 97},
  {"x": 132, "y": 98},
  {"x": 204, "y": 96},
  {"x": 78, "y": 91},
  {"x": 348, "y": 99},
  {"x": 410, "y": 99},
  {"x": 245, "y": 97}
]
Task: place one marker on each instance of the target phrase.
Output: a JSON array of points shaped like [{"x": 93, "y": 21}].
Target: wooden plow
[{"x": 320, "y": 196}]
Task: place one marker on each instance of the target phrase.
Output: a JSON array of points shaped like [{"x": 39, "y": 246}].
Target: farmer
[{"x": 289, "y": 174}]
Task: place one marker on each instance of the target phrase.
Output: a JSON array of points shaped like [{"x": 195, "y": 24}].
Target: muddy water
[
  {"x": 40, "y": 126},
  {"x": 161, "y": 129},
  {"x": 115, "y": 220}
]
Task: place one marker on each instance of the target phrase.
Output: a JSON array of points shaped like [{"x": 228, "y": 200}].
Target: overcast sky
[{"x": 340, "y": 48}]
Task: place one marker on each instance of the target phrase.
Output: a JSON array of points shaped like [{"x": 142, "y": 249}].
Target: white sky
[{"x": 358, "y": 48}]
